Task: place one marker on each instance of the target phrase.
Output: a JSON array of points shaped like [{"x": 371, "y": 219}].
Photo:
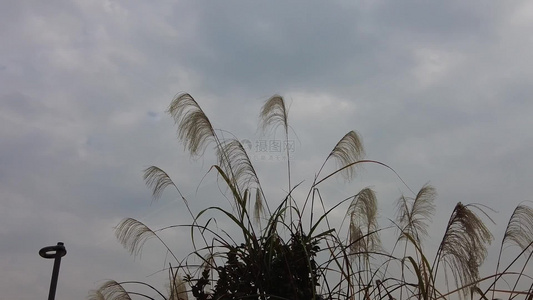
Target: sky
[{"x": 440, "y": 91}]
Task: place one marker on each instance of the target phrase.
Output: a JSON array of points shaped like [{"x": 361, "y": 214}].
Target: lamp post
[{"x": 55, "y": 252}]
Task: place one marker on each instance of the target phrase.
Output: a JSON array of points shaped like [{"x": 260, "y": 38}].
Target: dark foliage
[{"x": 273, "y": 270}]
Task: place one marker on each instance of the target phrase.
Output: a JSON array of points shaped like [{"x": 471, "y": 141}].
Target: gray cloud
[{"x": 439, "y": 91}]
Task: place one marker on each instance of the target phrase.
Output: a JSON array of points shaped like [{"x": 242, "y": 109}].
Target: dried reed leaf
[{"x": 258, "y": 206}]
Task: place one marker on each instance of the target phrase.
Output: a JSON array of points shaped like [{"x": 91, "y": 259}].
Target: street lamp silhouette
[{"x": 55, "y": 252}]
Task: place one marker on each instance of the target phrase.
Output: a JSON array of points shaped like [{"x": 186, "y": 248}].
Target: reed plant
[{"x": 290, "y": 248}]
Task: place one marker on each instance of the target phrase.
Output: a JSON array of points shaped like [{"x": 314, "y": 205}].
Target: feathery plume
[
  {"x": 132, "y": 234},
  {"x": 177, "y": 288},
  {"x": 520, "y": 227},
  {"x": 157, "y": 180},
  {"x": 363, "y": 212},
  {"x": 194, "y": 128},
  {"x": 413, "y": 215},
  {"x": 348, "y": 150},
  {"x": 234, "y": 160},
  {"x": 110, "y": 290},
  {"x": 273, "y": 113},
  {"x": 464, "y": 245}
]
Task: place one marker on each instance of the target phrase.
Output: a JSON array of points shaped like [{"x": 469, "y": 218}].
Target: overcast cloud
[{"x": 441, "y": 92}]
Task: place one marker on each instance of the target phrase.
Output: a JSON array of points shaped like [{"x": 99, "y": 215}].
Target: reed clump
[{"x": 279, "y": 249}]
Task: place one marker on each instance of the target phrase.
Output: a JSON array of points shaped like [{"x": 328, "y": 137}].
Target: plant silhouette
[{"x": 291, "y": 251}]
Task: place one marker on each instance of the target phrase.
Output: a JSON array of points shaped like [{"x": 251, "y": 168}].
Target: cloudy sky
[{"x": 441, "y": 92}]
